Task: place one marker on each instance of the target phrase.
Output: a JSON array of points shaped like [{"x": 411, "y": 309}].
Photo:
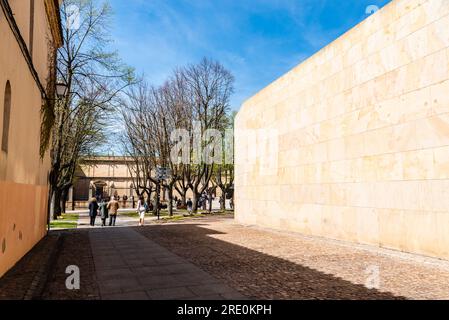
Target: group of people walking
[
  {"x": 109, "y": 209},
  {"x": 105, "y": 210}
]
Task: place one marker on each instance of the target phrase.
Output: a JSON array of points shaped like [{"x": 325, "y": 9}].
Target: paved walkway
[
  {"x": 130, "y": 266},
  {"x": 216, "y": 258}
]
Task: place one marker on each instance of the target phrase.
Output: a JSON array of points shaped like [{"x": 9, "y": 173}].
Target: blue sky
[{"x": 257, "y": 40}]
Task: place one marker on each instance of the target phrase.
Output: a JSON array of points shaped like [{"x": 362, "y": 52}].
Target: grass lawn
[
  {"x": 69, "y": 217},
  {"x": 60, "y": 224},
  {"x": 181, "y": 217},
  {"x": 133, "y": 214},
  {"x": 136, "y": 215},
  {"x": 66, "y": 221}
]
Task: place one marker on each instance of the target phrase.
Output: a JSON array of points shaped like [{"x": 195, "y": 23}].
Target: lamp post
[
  {"x": 61, "y": 90},
  {"x": 162, "y": 174}
]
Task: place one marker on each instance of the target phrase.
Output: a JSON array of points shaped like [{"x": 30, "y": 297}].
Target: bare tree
[
  {"x": 210, "y": 86},
  {"x": 150, "y": 116},
  {"x": 94, "y": 78},
  {"x": 137, "y": 141},
  {"x": 194, "y": 98}
]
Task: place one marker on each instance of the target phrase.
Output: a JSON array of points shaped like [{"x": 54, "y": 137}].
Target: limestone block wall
[{"x": 353, "y": 144}]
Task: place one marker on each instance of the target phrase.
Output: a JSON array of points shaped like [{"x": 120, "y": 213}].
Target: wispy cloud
[{"x": 258, "y": 40}]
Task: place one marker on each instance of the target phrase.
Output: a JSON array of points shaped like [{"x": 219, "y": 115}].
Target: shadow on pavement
[{"x": 254, "y": 274}]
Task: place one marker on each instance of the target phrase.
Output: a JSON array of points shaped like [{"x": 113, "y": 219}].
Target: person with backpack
[{"x": 142, "y": 208}]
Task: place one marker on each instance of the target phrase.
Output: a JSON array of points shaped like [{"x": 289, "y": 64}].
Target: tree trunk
[
  {"x": 64, "y": 200},
  {"x": 157, "y": 201},
  {"x": 184, "y": 198},
  {"x": 210, "y": 203},
  {"x": 51, "y": 207},
  {"x": 195, "y": 202},
  {"x": 164, "y": 194},
  {"x": 148, "y": 198},
  {"x": 223, "y": 201},
  {"x": 63, "y": 206},
  {"x": 56, "y": 203},
  {"x": 170, "y": 201}
]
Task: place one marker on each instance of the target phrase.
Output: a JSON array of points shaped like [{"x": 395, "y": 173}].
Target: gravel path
[{"x": 266, "y": 264}]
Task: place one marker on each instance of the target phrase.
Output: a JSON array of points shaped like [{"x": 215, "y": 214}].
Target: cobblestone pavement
[
  {"x": 215, "y": 258},
  {"x": 266, "y": 264}
]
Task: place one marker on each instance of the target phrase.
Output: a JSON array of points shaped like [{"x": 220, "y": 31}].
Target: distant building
[
  {"x": 30, "y": 33},
  {"x": 102, "y": 177},
  {"x": 105, "y": 177}
]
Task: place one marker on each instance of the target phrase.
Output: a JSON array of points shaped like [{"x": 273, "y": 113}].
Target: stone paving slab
[{"x": 129, "y": 266}]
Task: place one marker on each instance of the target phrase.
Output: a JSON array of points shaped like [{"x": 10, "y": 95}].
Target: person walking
[
  {"x": 125, "y": 199},
  {"x": 93, "y": 211},
  {"x": 104, "y": 214},
  {"x": 113, "y": 207},
  {"x": 141, "y": 210},
  {"x": 189, "y": 206},
  {"x": 133, "y": 203}
]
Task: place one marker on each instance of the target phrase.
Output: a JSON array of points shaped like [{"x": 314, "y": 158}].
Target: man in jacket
[{"x": 113, "y": 207}]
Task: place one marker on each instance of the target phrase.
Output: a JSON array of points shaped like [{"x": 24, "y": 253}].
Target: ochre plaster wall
[{"x": 23, "y": 175}]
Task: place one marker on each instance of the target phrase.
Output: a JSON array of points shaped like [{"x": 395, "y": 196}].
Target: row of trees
[
  {"x": 194, "y": 98},
  {"x": 158, "y": 120}
]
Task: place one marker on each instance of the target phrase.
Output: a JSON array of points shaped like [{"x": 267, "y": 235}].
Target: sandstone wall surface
[{"x": 353, "y": 144}]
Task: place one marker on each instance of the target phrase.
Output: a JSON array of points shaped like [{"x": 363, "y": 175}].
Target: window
[{"x": 6, "y": 116}]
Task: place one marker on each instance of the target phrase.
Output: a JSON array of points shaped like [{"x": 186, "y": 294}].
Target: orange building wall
[{"x": 23, "y": 175}]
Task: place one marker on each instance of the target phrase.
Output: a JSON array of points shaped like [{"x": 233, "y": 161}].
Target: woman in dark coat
[{"x": 93, "y": 211}]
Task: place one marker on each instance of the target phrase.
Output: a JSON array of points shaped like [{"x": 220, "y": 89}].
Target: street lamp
[
  {"x": 162, "y": 174},
  {"x": 61, "y": 90}
]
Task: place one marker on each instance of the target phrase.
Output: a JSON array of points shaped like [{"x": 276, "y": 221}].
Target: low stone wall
[{"x": 353, "y": 144}]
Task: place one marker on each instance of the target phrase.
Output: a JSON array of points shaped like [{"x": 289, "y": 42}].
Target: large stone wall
[{"x": 353, "y": 144}]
